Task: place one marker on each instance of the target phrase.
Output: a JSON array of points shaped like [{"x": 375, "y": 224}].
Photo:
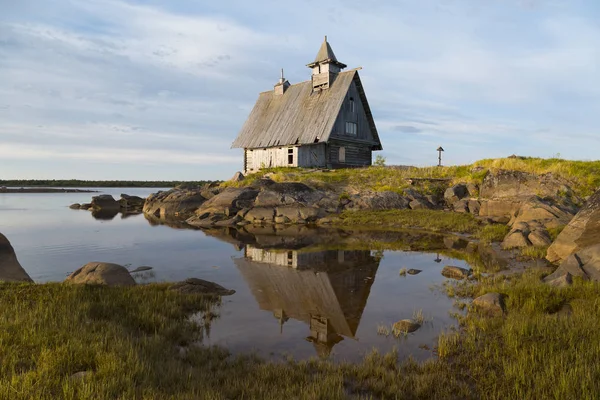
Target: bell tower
[{"x": 325, "y": 67}]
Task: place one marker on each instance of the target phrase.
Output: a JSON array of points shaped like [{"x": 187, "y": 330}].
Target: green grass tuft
[{"x": 493, "y": 233}]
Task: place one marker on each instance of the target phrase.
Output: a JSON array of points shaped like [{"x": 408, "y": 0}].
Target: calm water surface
[{"x": 291, "y": 298}]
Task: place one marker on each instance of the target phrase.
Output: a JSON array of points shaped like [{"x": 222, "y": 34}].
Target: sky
[{"x": 158, "y": 90}]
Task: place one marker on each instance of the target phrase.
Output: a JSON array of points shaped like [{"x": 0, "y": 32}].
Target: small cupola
[
  {"x": 281, "y": 86},
  {"x": 325, "y": 67}
]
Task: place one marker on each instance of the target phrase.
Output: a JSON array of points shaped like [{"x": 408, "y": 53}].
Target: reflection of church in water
[{"x": 328, "y": 290}]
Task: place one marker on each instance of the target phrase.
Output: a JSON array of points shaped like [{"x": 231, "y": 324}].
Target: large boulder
[
  {"x": 508, "y": 184},
  {"x": 582, "y": 231},
  {"x": 99, "y": 273},
  {"x": 496, "y": 209},
  {"x": 230, "y": 201},
  {"x": 10, "y": 269},
  {"x": 530, "y": 224},
  {"x": 175, "y": 203},
  {"x": 105, "y": 202},
  {"x": 549, "y": 213},
  {"x": 584, "y": 263}
]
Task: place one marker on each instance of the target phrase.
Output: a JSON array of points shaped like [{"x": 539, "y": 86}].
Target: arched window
[{"x": 352, "y": 106}]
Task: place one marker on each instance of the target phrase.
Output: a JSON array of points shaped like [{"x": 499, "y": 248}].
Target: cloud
[
  {"x": 121, "y": 81},
  {"x": 407, "y": 129}
]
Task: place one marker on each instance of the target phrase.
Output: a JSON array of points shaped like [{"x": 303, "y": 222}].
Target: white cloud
[{"x": 114, "y": 77}]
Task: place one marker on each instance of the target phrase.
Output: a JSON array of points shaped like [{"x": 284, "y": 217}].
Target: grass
[
  {"x": 534, "y": 253},
  {"x": 584, "y": 175},
  {"x": 129, "y": 339},
  {"x": 531, "y": 352},
  {"x": 418, "y": 316},
  {"x": 383, "y": 330},
  {"x": 431, "y": 220},
  {"x": 493, "y": 232},
  {"x": 554, "y": 232}
]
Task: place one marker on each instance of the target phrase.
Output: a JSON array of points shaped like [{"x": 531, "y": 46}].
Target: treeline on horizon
[{"x": 86, "y": 183}]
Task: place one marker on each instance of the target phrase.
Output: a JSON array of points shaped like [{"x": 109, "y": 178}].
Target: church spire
[{"x": 325, "y": 67}]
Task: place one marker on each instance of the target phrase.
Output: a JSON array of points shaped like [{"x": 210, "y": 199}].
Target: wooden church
[{"x": 325, "y": 122}]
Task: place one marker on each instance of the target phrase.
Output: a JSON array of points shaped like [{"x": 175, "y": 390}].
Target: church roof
[{"x": 301, "y": 115}]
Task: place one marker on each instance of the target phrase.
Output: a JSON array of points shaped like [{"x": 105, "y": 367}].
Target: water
[{"x": 299, "y": 292}]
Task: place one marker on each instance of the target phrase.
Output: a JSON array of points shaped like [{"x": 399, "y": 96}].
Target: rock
[
  {"x": 233, "y": 199},
  {"x": 405, "y": 326},
  {"x": 540, "y": 238},
  {"x": 75, "y": 206},
  {"x": 174, "y": 203},
  {"x": 590, "y": 260},
  {"x": 490, "y": 303},
  {"x": 516, "y": 239},
  {"x": 461, "y": 206},
  {"x": 99, "y": 273},
  {"x": 85, "y": 206},
  {"x": 455, "y": 193},
  {"x": 546, "y": 212},
  {"x": 282, "y": 220},
  {"x": 414, "y": 271},
  {"x": 200, "y": 286},
  {"x": 456, "y": 272},
  {"x": 562, "y": 281},
  {"x": 131, "y": 203},
  {"x": 268, "y": 198},
  {"x": 105, "y": 202},
  {"x": 499, "y": 208},
  {"x": 420, "y": 204},
  {"x": 472, "y": 189},
  {"x": 141, "y": 269},
  {"x": 261, "y": 214},
  {"x": 581, "y": 232},
  {"x": 572, "y": 266},
  {"x": 10, "y": 269},
  {"x": 238, "y": 177},
  {"x": 508, "y": 184},
  {"x": 380, "y": 201},
  {"x": 434, "y": 200},
  {"x": 474, "y": 207}
]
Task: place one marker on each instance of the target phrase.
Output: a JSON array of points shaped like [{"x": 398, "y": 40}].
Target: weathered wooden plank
[{"x": 300, "y": 116}]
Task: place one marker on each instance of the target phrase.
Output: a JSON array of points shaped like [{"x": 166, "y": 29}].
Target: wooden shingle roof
[{"x": 299, "y": 116}]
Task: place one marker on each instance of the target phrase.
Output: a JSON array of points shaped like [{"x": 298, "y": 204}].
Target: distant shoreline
[
  {"x": 44, "y": 190},
  {"x": 75, "y": 183}
]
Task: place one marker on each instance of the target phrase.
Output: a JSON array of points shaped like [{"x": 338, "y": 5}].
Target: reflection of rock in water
[
  {"x": 155, "y": 221},
  {"x": 328, "y": 290},
  {"x": 10, "y": 269},
  {"x": 105, "y": 214}
]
